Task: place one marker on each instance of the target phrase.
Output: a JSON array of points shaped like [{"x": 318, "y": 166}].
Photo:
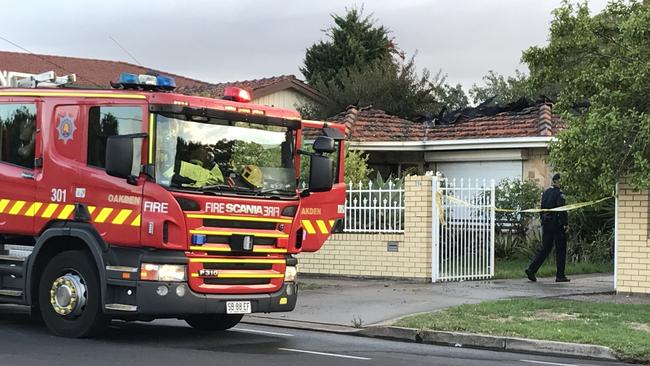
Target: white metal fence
[
  {"x": 378, "y": 209},
  {"x": 462, "y": 229}
]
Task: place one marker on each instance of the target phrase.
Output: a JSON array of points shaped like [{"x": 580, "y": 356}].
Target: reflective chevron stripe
[
  {"x": 62, "y": 211},
  {"x": 318, "y": 226}
]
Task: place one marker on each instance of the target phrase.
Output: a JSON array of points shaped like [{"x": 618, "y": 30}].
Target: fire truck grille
[
  {"x": 238, "y": 266},
  {"x": 234, "y": 224},
  {"x": 236, "y": 281},
  {"x": 221, "y": 239}
]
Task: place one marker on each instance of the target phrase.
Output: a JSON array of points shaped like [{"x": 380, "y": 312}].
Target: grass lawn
[
  {"x": 623, "y": 327},
  {"x": 514, "y": 268}
]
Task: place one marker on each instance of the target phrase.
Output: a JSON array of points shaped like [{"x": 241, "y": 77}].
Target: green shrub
[{"x": 517, "y": 195}]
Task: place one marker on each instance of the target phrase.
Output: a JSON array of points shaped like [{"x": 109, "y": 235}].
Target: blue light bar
[
  {"x": 145, "y": 82},
  {"x": 165, "y": 81},
  {"x": 126, "y": 78}
]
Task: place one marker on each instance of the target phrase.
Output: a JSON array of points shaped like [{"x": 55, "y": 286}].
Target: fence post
[
  {"x": 435, "y": 230},
  {"x": 492, "y": 225}
]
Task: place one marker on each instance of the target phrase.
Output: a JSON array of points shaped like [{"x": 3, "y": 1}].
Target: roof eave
[{"x": 459, "y": 144}]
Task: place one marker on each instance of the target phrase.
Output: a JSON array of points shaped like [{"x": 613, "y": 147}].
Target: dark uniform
[{"x": 553, "y": 232}]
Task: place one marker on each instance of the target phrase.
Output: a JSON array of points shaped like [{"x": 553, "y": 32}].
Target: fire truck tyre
[
  {"x": 214, "y": 322},
  {"x": 69, "y": 296}
]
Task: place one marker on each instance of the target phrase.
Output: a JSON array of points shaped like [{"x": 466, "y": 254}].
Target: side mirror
[
  {"x": 122, "y": 158},
  {"x": 320, "y": 173},
  {"x": 324, "y": 144}
]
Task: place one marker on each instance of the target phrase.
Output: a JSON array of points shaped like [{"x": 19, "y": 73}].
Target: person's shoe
[
  {"x": 562, "y": 279},
  {"x": 531, "y": 275}
]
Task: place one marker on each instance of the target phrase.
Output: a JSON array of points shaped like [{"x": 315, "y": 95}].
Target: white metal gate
[{"x": 462, "y": 229}]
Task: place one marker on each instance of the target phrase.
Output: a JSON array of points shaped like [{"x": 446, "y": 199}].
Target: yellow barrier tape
[{"x": 573, "y": 206}]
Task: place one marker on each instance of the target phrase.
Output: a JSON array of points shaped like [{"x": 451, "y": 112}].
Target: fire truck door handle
[{"x": 27, "y": 175}]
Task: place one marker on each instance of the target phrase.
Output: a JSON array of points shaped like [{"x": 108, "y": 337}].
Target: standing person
[{"x": 555, "y": 225}]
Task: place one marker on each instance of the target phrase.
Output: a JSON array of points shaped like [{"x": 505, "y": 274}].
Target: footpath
[{"x": 368, "y": 307}]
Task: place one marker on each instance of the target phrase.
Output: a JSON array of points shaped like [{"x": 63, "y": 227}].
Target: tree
[
  {"x": 356, "y": 166},
  {"x": 359, "y": 64},
  {"x": 503, "y": 89},
  {"x": 600, "y": 65},
  {"x": 353, "y": 42},
  {"x": 394, "y": 87}
]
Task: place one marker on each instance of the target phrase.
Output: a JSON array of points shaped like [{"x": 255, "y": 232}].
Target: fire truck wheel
[
  {"x": 69, "y": 296},
  {"x": 214, "y": 322}
]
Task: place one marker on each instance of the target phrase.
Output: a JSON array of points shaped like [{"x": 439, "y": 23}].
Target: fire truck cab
[{"x": 139, "y": 203}]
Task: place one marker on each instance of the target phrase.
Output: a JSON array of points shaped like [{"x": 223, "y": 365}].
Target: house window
[
  {"x": 104, "y": 122},
  {"x": 18, "y": 134}
]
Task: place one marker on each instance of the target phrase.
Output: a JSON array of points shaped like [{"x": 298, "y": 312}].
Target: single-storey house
[
  {"x": 286, "y": 91},
  {"x": 508, "y": 144}
]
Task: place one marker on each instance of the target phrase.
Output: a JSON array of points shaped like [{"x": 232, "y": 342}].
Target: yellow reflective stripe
[
  {"x": 239, "y": 218},
  {"x": 322, "y": 227},
  {"x": 136, "y": 221},
  {"x": 33, "y": 209},
  {"x": 15, "y": 209},
  {"x": 332, "y": 223},
  {"x": 3, "y": 205},
  {"x": 309, "y": 228},
  {"x": 122, "y": 216},
  {"x": 66, "y": 94},
  {"x": 103, "y": 214},
  {"x": 65, "y": 213},
  {"x": 211, "y": 249},
  {"x": 250, "y": 275},
  {"x": 91, "y": 209},
  {"x": 228, "y": 233},
  {"x": 269, "y": 250},
  {"x": 151, "y": 134},
  {"x": 49, "y": 210},
  {"x": 236, "y": 260}
]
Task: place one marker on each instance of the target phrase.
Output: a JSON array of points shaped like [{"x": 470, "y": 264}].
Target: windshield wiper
[
  {"x": 225, "y": 187},
  {"x": 275, "y": 190}
]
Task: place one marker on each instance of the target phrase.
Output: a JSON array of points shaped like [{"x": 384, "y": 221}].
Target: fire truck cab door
[
  {"x": 75, "y": 174},
  {"x": 18, "y": 143},
  {"x": 320, "y": 211}
]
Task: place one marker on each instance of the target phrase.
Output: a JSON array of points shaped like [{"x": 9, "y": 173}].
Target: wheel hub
[{"x": 68, "y": 295}]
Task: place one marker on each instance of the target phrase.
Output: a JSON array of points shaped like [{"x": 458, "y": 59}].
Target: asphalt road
[{"x": 171, "y": 342}]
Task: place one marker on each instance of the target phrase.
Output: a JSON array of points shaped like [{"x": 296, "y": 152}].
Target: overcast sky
[{"x": 234, "y": 40}]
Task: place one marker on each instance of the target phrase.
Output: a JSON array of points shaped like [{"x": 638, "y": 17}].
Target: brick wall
[
  {"x": 367, "y": 255},
  {"x": 633, "y": 246},
  {"x": 535, "y": 167}
]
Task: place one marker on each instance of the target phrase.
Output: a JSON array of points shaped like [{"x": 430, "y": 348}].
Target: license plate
[{"x": 238, "y": 307}]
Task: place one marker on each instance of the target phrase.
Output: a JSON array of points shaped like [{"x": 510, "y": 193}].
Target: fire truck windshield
[{"x": 223, "y": 155}]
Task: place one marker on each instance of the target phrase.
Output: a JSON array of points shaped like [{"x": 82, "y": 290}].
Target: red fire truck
[{"x": 139, "y": 203}]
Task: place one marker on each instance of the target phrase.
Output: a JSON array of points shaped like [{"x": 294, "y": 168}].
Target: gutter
[{"x": 458, "y": 144}]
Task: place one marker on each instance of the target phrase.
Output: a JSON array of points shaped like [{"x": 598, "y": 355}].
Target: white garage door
[{"x": 480, "y": 170}]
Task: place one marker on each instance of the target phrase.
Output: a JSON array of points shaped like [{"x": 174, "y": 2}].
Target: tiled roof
[
  {"x": 90, "y": 72},
  {"x": 377, "y": 125},
  {"x": 373, "y": 125},
  {"x": 259, "y": 87},
  {"x": 99, "y": 73}
]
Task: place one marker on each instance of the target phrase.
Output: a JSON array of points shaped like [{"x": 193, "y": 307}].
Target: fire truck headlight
[
  {"x": 291, "y": 274},
  {"x": 163, "y": 272}
]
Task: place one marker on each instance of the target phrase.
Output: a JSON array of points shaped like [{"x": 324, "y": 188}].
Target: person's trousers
[{"x": 551, "y": 236}]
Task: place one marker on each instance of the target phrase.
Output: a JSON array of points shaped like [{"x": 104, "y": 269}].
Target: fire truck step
[
  {"x": 5, "y": 257},
  {"x": 12, "y": 293},
  {"x": 16, "y": 250}
]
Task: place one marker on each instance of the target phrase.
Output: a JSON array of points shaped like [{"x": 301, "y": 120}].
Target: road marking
[
  {"x": 324, "y": 354},
  {"x": 550, "y": 363},
  {"x": 263, "y": 332}
]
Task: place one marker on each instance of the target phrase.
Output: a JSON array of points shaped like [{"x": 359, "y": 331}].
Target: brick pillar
[
  {"x": 417, "y": 224},
  {"x": 633, "y": 240}
]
